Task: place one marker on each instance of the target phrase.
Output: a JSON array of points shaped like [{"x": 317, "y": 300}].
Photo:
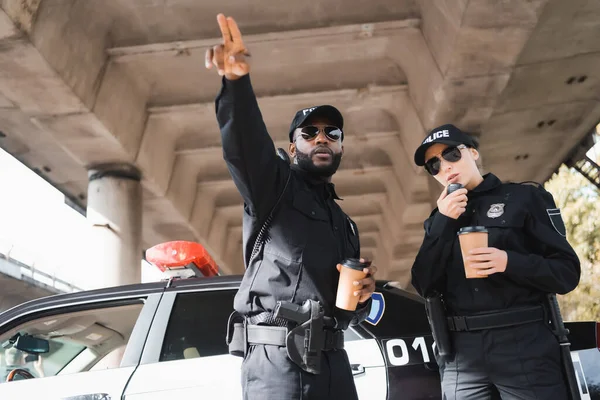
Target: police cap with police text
[
  {"x": 333, "y": 115},
  {"x": 445, "y": 134}
]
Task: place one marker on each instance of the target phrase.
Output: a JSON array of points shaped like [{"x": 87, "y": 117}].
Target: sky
[{"x": 42, "y": 230}]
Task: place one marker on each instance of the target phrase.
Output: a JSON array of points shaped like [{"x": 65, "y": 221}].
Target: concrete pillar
[{"x": 114, "y": 211}]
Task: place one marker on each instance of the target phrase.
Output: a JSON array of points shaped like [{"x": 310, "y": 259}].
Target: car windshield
[{"x": 47, "y": 364}]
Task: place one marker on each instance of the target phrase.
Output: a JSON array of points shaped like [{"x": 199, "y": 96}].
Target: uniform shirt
[
  {"x": 522, "y": 220},
  {"x": 308, "y": 235}
]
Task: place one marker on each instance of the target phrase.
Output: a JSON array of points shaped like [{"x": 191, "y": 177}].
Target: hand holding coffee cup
[
  {"x": 486, "y": 261},
  {"x": 453, "y": 201},
  {"x": 470, "y": 238},
  {"x": 356, "y": 283}
]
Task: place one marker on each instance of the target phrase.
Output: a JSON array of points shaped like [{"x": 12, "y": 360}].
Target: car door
[
  {"x": 367, "y": 364},
  {"x": 404, "y": 338},
  {"x": 186, "y": 356},
  {"x": 584, "y": 337},
  {"x": 93, "y": 348}
]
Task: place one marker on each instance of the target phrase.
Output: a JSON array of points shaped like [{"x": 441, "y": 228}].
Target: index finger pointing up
[{"x": 223, "y": 25}]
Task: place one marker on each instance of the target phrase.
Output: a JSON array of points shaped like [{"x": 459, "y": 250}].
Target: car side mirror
[{"x": 31, "y": 344}]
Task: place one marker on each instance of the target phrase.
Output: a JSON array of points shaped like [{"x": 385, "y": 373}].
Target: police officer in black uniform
[
  {"x": 502, "y": 343},
  {"x": 294, "y": 236}
]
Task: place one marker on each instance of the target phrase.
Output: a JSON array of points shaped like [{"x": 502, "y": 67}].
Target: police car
[{"x": 167, "y": 340}]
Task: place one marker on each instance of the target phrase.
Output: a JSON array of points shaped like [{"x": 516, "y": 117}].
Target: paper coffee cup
[
  {"x": 351, "y": 271},
  {"x": 472, "y": 237}
]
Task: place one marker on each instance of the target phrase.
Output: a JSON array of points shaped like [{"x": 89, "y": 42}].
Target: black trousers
[
  {"x": 514, "y": 363},
  {"x": 268, "y": 374}
]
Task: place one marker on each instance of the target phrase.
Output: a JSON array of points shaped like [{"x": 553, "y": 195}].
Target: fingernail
[
  {"x": 356, "y": 293},
  {"x": 221, "y": 72},
  {"x": 231, "y": 59},
  {"x": 355, "y": 283}
]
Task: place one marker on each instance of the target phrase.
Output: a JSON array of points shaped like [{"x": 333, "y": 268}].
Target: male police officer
[
  {"x": 499, "y": 325},
  {"x": 294, "y": 236}
]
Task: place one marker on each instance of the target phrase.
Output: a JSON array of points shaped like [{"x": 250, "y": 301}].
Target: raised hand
[{"x": 229, "y": 57}]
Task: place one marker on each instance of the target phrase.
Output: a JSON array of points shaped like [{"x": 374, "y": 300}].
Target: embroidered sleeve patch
[{"x": 557, "y": 221}]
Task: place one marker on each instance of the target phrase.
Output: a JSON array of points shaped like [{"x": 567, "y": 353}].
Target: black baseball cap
[
  {"x": 446, "y": 134},
  {"x": 327, "y": 111}
]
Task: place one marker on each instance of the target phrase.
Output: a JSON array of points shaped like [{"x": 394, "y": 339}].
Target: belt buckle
[{"x": 460, "y": 324}]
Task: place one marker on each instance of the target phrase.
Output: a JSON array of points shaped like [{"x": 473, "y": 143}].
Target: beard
[{"x": 304, "y": 161}]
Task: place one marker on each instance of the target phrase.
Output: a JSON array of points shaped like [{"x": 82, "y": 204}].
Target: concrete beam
[
  {"x": 273, "y": 38},
  {"x": 168, "y": 128}
]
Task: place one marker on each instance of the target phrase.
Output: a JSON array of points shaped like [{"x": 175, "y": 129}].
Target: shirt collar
[
  {"x": 327, "y": 187},
  {"x": 490, "y": 182}
]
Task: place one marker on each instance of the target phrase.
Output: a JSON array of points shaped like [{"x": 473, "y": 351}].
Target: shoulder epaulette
[
  {"x": 534, "y": 184},
  {"x": 527, "y": 183}
]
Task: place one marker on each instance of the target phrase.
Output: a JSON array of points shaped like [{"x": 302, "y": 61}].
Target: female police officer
[{"x": 499, "y": 332}]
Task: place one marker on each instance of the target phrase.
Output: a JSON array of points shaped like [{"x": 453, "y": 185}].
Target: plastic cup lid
[
  {"x": 353, "y": 263},
  {"x": 472, "y": 229}
]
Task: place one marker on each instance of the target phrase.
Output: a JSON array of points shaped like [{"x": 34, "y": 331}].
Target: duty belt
[
  {"x": 303, "y": 330},
  {"x": 276, "y": 336},
  {"x": 498, "y": 319},
  {"x": 265, "y": 328},
  {"x": 267, "y": 318}
]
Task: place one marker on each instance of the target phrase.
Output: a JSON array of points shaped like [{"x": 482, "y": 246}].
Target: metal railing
[
  {"x": 31, "y": 275},
  {"x": 588, "y": 168},
  {"x": 578, "y": 158}
]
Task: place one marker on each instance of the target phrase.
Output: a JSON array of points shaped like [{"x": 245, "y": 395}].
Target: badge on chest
[{"x": 495, "y": 210}]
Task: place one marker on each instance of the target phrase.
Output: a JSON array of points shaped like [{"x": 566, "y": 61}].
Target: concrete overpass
[
  {"x": 87, "y": 84},
  {"x": 20, "y": 282}
]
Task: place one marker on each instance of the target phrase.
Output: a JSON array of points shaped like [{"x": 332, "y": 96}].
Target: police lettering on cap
[
  {"x": 307, "y": 111},
  {"x": 333, "y": 115},
  {"x": 445, "y": 134}
]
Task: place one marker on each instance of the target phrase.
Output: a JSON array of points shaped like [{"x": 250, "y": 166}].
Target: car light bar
[{"x": 178, "y": 258}]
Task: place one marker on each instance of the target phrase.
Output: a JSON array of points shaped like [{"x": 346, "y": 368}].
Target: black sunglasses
[
  {"x": 310, "y": 132},
  {"x": 450, "y": 154}
]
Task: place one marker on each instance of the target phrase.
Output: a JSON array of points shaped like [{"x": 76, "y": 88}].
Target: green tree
[{"x": 579, "y": 202}]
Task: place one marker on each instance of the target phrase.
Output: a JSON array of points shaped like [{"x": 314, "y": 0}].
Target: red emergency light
[{"x": 182, "y": 255}]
